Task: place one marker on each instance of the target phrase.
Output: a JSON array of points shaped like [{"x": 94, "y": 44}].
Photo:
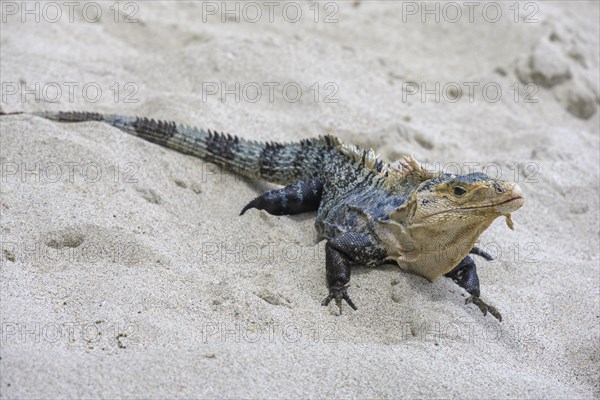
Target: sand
[{"x": 127, "y": 273}]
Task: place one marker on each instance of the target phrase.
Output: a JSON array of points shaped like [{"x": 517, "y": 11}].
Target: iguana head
[
  {"x": 443, "y": 217},
  {"x": 453, "y": 202}
]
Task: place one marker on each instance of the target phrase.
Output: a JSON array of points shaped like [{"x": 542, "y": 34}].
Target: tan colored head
[
  {"x": 444, "y": 217},
  {"x": 473, "y": 199}
]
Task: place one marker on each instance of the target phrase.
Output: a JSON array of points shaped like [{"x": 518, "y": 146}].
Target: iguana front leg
[
  {"x": 340, "y": 254},
  {"x": 299, "y": 197},
  {"x": 465, "y": 276},
  {"x": 481, "y": 253}
]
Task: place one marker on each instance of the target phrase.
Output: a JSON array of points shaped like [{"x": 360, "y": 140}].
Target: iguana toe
[
  {"x": 339, "y": 293},
  {"x": 484, "y": 307}
]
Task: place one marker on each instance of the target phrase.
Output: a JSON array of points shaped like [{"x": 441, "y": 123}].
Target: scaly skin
[{"x": 369, "y": 212}]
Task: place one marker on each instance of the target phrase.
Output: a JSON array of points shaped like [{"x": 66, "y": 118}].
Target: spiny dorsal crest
[
  {"x": 368, "y": 158},
  {"x": 408, "y": 168}
]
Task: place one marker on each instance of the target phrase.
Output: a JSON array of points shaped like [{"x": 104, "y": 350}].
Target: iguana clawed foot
[
  {"x": 339, "y": 293},
  {"x": 465, "y": 276},
  {"x": 341, "y": 253},
  {"x": 484, "y": 307}
]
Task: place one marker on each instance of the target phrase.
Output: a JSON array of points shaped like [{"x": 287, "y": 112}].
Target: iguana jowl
[{"x": 369, "y": 212}]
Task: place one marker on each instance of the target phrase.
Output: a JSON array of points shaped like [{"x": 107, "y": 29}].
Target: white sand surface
[{"x": 127, "y": 273}]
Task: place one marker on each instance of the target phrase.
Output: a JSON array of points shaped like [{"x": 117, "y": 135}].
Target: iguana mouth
[
  {"x": 510, "y": 205},
  {"x": 511, "y": 200},
  {"x": 506, "y": 206},
  {"x": 494, "y": 205}
]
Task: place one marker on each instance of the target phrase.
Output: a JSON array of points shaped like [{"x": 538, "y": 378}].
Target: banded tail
[{"x": 273, "y": 162}]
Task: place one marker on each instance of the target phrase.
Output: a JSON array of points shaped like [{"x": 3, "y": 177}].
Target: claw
[
  {"x": 350, "y": 303},
  {"x": 338, "y": 302},
  {"x": 484, "y": 307},
  {"x": 339, "y": 294},
  {"x": 481, "y": 253}
]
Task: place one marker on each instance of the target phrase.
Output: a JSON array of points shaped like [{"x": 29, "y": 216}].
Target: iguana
[{"x": 368, "y": 211}]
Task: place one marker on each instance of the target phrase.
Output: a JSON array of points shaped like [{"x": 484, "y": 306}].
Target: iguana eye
[{"x": 459, "y": 191}]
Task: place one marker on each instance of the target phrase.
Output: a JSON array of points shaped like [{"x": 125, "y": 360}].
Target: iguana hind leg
[
  {"x": 297, "y": 198},
  {"x": 340, "y": 253},
  {"x": 465, "y": 276}
]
